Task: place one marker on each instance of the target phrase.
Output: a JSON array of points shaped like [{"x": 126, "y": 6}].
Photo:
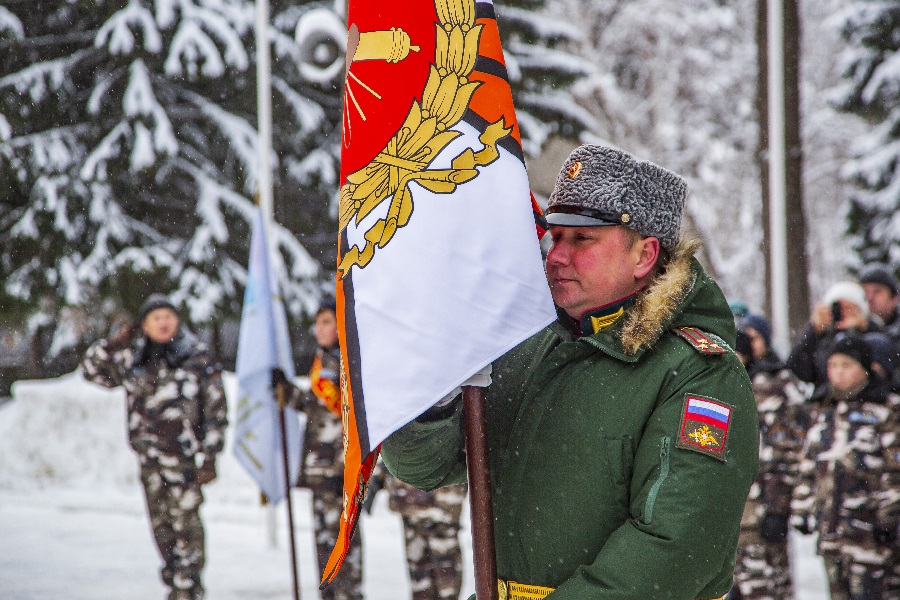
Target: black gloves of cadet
[
  {"x": 278, "y": 377},
  {"x": 123, "y": 337},
  {"x": 884, "y": 535},
  {"x": 774, "y": 527}
]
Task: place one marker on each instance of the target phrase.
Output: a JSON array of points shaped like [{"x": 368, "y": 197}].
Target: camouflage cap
[{"x": 604, "y": 186}]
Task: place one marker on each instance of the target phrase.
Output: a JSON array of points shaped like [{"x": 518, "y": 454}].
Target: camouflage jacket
[
  {"x": 850, "y": 469},
  {"x": 323, "y": 454},
  {"x": 176, "y": 401},
  {"x": 783, "y": 421},
  {"x": 406, "y": 499}
]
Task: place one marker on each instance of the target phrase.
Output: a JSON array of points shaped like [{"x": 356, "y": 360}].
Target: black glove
[
  {"x": 774, "y": 528},
  {"x": 802, "y": 525},
  {"x": 376, "y": 484},
  {"x": 123, "y": 337},
  {"x": 884, "y": 535},
  {"x": 278, "y": 377}
]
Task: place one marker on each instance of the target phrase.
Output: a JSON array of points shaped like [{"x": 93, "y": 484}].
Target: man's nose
[{"x": 557, "y": 254}]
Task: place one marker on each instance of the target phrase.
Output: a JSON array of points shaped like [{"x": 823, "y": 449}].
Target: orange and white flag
[{"x": 439, "y": 267}]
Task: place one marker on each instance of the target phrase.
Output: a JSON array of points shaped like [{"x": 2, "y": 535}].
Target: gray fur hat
[{"x": 604, "y": 186}]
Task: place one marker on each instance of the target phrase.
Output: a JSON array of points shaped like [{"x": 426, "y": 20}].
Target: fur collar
[{"x": 658, "y": 304}]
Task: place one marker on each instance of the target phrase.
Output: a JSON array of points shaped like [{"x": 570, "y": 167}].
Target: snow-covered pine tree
[
  {"x": 128, "y": 151},
  {"x": 674, "y": 82},
  {"x": 542, "y": 72},
  {"x": 871, "y": 90}
]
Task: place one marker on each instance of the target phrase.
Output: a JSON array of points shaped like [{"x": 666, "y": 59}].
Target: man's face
[
  {"x": 590, "y": 267},
  {"x": 325, "y": 329},
  {"x": 882, "y": 301},
  {"x": 160, "y": 325},
  {"x": 844, "y": 373},
  {"x": 757, "y": 343}
]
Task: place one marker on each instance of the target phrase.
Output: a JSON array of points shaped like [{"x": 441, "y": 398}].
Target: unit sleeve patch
[{"x": 704, "y": 426}]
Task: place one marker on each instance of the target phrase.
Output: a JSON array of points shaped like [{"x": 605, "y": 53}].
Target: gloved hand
[
  {"x": 884, "y": 535},
  {"x": 278, "y": 377},
  {"x": 802, "y": 524},
  {"x": 774, "y": 527},
  {"x": 123, "y": 337},
  {"x": 207, "y": 471},
  {"x": 482, "y": 378},
  {"x": 444, "y": 407}
]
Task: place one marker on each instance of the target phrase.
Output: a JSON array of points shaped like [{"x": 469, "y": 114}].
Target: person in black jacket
[{"x": 843, "y": 309}]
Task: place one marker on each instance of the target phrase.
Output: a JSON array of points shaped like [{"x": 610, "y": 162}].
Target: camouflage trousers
[
  {"x": 762, "y": 570},
  {"x": 173, "y": 504},
  {"x": 850, "y": 580},
  {"x": 433, "y": 555},
  {"x": 327, "y": 503}
]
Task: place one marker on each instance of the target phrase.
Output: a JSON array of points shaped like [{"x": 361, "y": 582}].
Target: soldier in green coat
[{"x": 623, "y": 438}]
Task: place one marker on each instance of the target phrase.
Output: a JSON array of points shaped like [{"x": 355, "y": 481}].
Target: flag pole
[
  {"x": 264, "y": 112},
  {"x": 481, "y": 509},
  {"x": 279, "y": 395}
]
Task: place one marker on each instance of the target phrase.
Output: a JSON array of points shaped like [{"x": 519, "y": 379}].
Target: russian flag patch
[{"x": 704, "y": 426}]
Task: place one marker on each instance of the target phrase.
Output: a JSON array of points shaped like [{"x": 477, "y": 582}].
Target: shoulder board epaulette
[{"x": 702, "y": 342}]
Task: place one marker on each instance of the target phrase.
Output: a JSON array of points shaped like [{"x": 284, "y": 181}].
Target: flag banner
[
  {"x": 263, "y": 344},
  {"x": 439, "y": 268}
]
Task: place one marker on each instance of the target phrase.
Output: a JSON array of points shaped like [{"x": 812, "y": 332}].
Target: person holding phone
[{"x": 843, "y": 309}]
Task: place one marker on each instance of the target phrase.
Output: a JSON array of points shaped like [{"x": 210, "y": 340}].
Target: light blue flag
[{"x": 263, "y": 344}]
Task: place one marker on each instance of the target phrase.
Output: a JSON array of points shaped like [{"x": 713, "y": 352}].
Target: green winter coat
[{"x": 595, "y": 491}]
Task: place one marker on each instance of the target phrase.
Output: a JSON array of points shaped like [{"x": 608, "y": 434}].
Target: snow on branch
[
  {"x": 316, "y": 163},
  {"x": 116, "y": 33},
  {"x": 240, "y": 134},
  {"x": 139, "y": 100},
  {"x": 884, "y": 83},
  {"x": 110, "y": 146},
  {"x": 10, "y": 25},
  {"x": 40, "y": 79},
  {"x": 309, "y": 114},
  {"x": 559, "y": 104},
  {"x": 538, "y": 24},
  {"x": 193, "y": 50},
  {"x": 530, "y": 56}
]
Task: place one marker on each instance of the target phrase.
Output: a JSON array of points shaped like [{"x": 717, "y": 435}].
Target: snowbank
[{"x": 67, "y": 433}]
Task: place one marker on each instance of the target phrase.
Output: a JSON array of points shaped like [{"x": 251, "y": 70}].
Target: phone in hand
[{"x": 836, "y": 313}]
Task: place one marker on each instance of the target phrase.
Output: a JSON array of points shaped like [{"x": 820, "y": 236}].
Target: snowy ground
[{"x": 73, "y": 524}]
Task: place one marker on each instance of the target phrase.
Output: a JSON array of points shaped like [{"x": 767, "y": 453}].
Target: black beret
[
  {"x": 882, "y": 274},
  {"x": 153, "y": 302}
]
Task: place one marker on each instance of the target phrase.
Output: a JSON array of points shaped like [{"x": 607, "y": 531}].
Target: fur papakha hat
[{"x": 604, "y": 186}]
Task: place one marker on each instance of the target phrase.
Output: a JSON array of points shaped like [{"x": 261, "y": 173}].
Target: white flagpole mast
[
  {"x": 264, "y": 194},
  {"x": 266, "y": 203},
  {"x": 264, "y": 113},
  {"x": 777, "y": 177}
]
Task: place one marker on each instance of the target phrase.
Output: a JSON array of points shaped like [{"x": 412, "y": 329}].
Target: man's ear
[{"x": 649, "y": 253}]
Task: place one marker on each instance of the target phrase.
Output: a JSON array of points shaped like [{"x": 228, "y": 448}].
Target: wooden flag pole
[
  {"x": 482, "y": 511},
  {"x": 279, "y": 395}
]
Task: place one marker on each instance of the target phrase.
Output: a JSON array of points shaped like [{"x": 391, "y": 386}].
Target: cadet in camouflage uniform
[
  {"x": 176, "y": 422},
  {"x": 762, "y": 571},
  {"x": 431, "y": 531},
  {"x": 323, "y": 458},
  {"x": 848, "y": 491}
]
